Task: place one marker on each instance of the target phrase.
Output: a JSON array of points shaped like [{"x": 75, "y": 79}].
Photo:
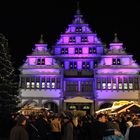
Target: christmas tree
[{"x": 9, "y": 93}]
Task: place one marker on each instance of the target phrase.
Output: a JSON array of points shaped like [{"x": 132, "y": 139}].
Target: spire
[
  {"x": 78, "y": 9},
  {"x": 116, "y": 40},
  {"x": 78, "y": 16},
  {"x": 41, "y": 41}
]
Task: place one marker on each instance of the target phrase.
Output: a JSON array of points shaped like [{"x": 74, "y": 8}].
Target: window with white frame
[
  {"x": 43, "y": 84},
  {"x": 48, "y": 83},
  {"x": 120, "y": 86},
  {"x": 130, "y": 83},
  {"x": 130, "y": 86},
  {"x": 125, "y": 86},
  {"x": 114, "y": 86},
  {"x": 32, "y": 85},
  {"x": 53, "y": 84},
  {"x": 27, "y": 84},
  {"x": 37, "y": 85},
  {"x": 109, "y": 85},
  {"x": 103, "y": 85}
]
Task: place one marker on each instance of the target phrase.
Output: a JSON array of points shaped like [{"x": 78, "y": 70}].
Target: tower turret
[{"x": 41, "y": 45}]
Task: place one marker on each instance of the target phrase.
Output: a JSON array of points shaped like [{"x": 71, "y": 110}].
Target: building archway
[
  {"x": 51, "y": 106},
  {"x": 105, "y": 105}
]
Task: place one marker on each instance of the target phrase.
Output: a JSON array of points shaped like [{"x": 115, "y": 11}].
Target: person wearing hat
[{"x": 19, "y": 132}]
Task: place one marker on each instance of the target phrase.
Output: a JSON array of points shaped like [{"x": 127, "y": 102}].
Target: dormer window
[
  {"x": 78, "y": 29},
  {"x": 116, "y": 62},
  {"x": 84, "y": 39},
  {"x": 78, "y": 50},
  {"x": 72, "y": 39},
  {"x": 64, "y": 51},
  {"x": 73, "y": 65},
  {"x": 92, "y": 50},
  {"x": 95, "y": 64},
  {"x": 62, "y": 64},
  {"x": 85, "y": 65},
  {"x": 41, "y": 61},
  {"x": 38, "y": 61}
]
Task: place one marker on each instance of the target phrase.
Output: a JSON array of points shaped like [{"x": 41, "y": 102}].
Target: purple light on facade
[
  {"x": 116, "y": 46},
  {"x": 41, "y": 47}
]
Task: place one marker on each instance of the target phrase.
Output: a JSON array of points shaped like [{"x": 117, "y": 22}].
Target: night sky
[{"x": 22, "y": 23}]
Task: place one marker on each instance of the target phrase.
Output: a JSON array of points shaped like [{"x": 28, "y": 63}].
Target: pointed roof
[
  {"x": 116, "y": 40},
  {"x": 78, "y": 100},
  {"x": 78, "y": 16},
  {"x": 41, "y": 41},
  {"x": 132, "y": 107}
]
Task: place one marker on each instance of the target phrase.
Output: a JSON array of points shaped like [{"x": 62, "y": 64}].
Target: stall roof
[{"x": 78, "y": 100}]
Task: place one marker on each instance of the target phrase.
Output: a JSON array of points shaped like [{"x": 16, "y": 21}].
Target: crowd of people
[{"x": 67, "y": 126}]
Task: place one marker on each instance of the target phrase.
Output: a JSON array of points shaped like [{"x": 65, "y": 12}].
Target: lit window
[
  {"x": 37, "y": 84},
  {"x": 130, "y": 86},
  {"x": 43, "y": 61},
  {"x": 62, "y": 64},
  {"x": 118, "y": 62},
  {"x": 32, "y": 85},
  {"x": 28, "y": 84},
  {"x": 103, "y": 85},
  {"x": 72, "y": 39},
  {"x": 94, "y": 50},
  {"x": 90, "y": 50},
  {"x": 43, "y": 84},
  {"x": 38, "y": 61},
  {"x": 48, "y": 84},
  {"x": 125, "y": 86},
  {"x": 120, "y": 85},
  {"x": 83, "y": 65},
  {"x": 76, "y": 50},
  {"x": 62, "y": 51},
  {"x": 66, "y": 50},
  {"x": 84, "y": 39},
  {"x": 109, "y": 85},
  {"x": 95, "y": 64},
  {"x": 78, "y": 29},
  {"x": 53, "y": 85},
  {"x": 114, "y": 62},
  {"x": 75, "y": 65},
  {"x": 80, "y": 50},
  {"x": 71, "y": 65},
  {"x": 114, "y": 86}
]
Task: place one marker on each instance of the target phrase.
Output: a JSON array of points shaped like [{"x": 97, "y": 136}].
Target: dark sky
[{"x": 23, "y": 22}]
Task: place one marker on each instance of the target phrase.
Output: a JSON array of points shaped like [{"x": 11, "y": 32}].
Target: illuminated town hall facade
[{"x": 79, "y": 72}]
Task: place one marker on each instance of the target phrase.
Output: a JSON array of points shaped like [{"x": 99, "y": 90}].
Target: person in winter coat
[
  {"x": 134, "y": 132},
  {"x": 100, "y": 129},
  {"x": 19, "y": 132},
  {"x": 68, "y": 129}
]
